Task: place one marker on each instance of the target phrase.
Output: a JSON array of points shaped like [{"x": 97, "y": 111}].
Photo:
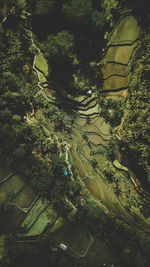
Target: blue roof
[{"x": 65, "y": 173}]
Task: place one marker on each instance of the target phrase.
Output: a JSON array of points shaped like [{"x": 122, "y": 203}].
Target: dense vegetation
[
  {"x": 70, "y": 35},
  {"x": 134, "y": 130},
  {"x": 26, "y": 147}
]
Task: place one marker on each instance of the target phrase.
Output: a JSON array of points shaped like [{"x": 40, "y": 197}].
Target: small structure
[
  {"x": 89, "y": 92},
  {"x": 65, "y": 173},
  {"x": 63, "y": 246}
]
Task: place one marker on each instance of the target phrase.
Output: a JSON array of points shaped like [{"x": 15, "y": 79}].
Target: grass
[
  {"x": 4, "y": 171},
  {"x": 118, "y": 95},
  {"x": 41, "y": 63},
  {"x": 92, "y": 186},
  {"x": 46, "y": 218},
  {"x": 40, "y": 216},
  {"x": 3, "y": 11},
  {"x": 90, "y": 111},
  {"x": 78, "y": 239},
  {"x": 10, "y": 188},
  {"x": 103, "y": 126},
  {"x": 25, "y": 198},
  {"x": 127, "y": 30},
  {"x": 113, "y": 68},
  {"x": 38, "y": 208},
  {"x": 58, "y": 224},
  {"x": 99, "y": 253},
  {"x": 115, "y": 82},
  {"x": 120, "y": 54},
  {"x": 73, "y": 235}
]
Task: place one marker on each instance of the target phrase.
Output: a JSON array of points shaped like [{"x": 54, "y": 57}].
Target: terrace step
[
  {"x": 115, "y": 82},
  {"x": 35, "y": 212},
  {"x": 24, "y": 198},
  {"x": 39, "y": 217},
  {"x": 120, "y": 54},
  {"x": 114, "y": 69},
  {"x": 124, "y": 31}
]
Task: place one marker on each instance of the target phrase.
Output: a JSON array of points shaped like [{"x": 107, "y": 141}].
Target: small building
[
  {"x": 63, "y": 246},
  {"x": 65, "y": 173},
  {"x": 89, "y": 92}
]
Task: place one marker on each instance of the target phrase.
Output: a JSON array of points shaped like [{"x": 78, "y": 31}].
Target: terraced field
[
  {"x": 120, "y": 49},
  {"x": 88, "y": 141},
  {"x": 91, "y": 134}
]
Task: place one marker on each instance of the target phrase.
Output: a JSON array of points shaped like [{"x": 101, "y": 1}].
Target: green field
[
  {"x": 41, "y": 215},
  {"x": 41, "y": 64},
  {"x": 75, "y": 237},
  {"x": 127, "y": 30}
]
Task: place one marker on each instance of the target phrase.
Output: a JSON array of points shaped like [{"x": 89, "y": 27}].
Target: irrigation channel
[{"x": 31, "y": 210}]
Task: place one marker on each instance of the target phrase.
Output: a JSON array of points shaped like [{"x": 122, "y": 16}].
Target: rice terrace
[{"x": 74, "y": 131}]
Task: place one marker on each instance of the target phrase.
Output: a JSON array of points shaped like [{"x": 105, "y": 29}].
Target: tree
[
  {"x": 79, "y": 10},
  {"x": 58, "y": 50},
  {"x": 58, "y": 165},
  {"x": 20, "y": 152},
  {"x": 109, "y": 172},
  {"x": 19, "y": 3},
  {"x": 5, "y": 115},
  {"x": 98, "y": 19},
  {"x": 94, "y": 163},
  {"x": 43, "y": 6},
  {"x": 60, "y": 44}
]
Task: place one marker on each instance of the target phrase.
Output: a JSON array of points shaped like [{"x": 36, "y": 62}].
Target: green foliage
[
  {"x": 58, "y": 50},
  {"x": 22, "y": 4},
  {"x": 94, "y": 163},
  {"x": 109, "y": 172},
  {"x": 60, "y": 44},
  {"x": 98, "y": 18},
  {"x": 43, "y": 6},
  {"x": 19, "y": 3},
  {"x": 40, "y": 175},
  {"x": 58, "y": 163},
  {"x": 72, "y": 44},
  {"x": 78, "y": 9},
  {"x": 83, "y": 11},
  {"x": 20, "y": 152},
  {"x": 90, "y": 212},
  {"x": 62, "y": 120},
  {"x": 111, "y": 110},
  {"x": 113, "y": 147},
  {"x": 135, "y": 128},
  {"x": 75, "y": 187}
]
